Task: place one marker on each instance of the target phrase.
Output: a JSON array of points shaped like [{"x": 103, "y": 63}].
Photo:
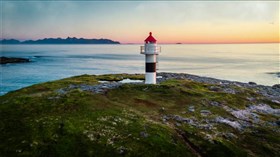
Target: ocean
[{"x": 236, "y": 62}]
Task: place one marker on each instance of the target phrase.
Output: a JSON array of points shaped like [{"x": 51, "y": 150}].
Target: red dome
[{"x": 150, "y": 39}]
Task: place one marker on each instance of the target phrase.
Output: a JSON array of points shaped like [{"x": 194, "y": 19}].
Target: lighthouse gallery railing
[{"x": 155, "y": 50}]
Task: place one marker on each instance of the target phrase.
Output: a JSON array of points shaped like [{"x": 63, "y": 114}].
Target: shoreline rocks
[
  {"x": 270, "y": 92},
  {"x": 6, "y": 60}
]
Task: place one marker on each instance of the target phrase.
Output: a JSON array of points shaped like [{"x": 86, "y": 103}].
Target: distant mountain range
[{"x": 60, "y": 41}]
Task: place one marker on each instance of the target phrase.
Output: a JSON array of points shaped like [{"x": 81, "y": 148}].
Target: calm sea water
[{"x": 237, "y": 62}]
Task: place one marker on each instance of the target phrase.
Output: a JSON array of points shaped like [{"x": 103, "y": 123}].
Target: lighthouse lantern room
[{"x": 150, "y": 50}]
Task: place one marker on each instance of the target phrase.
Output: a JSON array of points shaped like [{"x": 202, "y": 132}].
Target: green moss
[
  {"x": 119, "y": 77},
  {"x": 126, "y": 121}
]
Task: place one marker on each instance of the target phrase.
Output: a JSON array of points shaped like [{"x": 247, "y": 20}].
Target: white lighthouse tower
[{"x": 150, "y": 50}]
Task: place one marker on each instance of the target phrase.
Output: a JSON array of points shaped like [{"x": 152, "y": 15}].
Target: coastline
[{"x": 271, "y": 92}]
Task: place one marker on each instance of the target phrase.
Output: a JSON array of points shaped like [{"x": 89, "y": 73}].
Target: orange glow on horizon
[{"x": 235, "y": 33}]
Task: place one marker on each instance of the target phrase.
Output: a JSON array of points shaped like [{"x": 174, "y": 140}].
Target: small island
[
  {"x": 104, "y": 115},
  {"x": 68, "y": 40},
  {"x": 277, "y": 74},
  {"x": 6, "y": 60}
]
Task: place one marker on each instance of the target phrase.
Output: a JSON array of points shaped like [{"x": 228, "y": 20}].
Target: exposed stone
[
  {"x": 264, "y": 108},
  {"x": 272, "y": 93},
  {"x": 246, "y": 115},
  {"x": 233, "y": 124},
  {"x": 215, "y": 103},
  {"x": 215, "y": 88},
  {"x": 121, "y": 150},
  {"x": 99, "y": 88},
  {"x": 165, "y": 118},
  {"x": 275, "y": 101},
  {"x": 191, "y": 109},
  {"x": 180, "y": 119},
  {"x": 205, "y": 126},
  {"x": 229, "y": 91},
  {"x": 276, "y": 86},
  {"x": 252, "y": 83},
  {"x": 178, "y": 124},
  {"x": 61, "y": 91},
  {"x": 229, "y": 135},
  {"x": 205, "y": 112},
  {"x": 144, "y": 134},
  {"x": 251, "y": 98}
]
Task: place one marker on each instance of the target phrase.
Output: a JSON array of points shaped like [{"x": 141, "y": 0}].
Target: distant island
[
  {"x": 6, "y": 60},
  {"x": 68, "y": 40}
]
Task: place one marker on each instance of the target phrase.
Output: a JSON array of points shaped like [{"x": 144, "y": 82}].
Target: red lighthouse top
[{"x": 150, "y": 39}]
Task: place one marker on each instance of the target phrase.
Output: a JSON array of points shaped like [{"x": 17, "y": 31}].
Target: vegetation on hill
[{"x": 80, "y": 116}]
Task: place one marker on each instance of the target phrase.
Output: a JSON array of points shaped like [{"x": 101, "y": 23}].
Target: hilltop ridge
[
  {"x": 68, "y": 40},
  {"x": 182, "y": 115}
]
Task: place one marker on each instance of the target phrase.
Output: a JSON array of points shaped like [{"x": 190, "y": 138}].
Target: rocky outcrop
[
  {"x": 103, "y": 115},
  {"x": 5, "y": 60},
  {"x": 270, "y": 92}
]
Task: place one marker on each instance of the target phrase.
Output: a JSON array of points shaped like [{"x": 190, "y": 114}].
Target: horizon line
[{"x": 131, "y": 43}]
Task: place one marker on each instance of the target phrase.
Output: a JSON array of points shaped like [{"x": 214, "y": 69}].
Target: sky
[{"x": 131, "y": 22}]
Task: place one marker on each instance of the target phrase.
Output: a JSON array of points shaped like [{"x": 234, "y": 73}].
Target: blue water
[{"x": 237, "y": 62}]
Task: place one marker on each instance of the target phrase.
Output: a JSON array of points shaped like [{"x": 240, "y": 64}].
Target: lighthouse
[{"x": 150, "y": 50}]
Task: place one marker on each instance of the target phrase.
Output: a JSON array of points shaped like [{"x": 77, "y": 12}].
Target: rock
[
  {"x": 165, "y": 118},
  {"x": 99, "y": 88},
  {"x": 233, "y": 124},
  {"x": 144, "y": 134},
  {"x": 178, "y": 124},
  {"x": 225, "y": 86},
  {"x": 180, "y": 119},
  {"x": 71, "y": 86},
  {"x": 121, "y": 150},
  {"x": 5, "y": 60},
  {"x": 205, "y": 126},
  {"x": 265, "y": 109},
  {"x": 205, "y": 112},
  {"x": 229, "y": 90},
  {"x": 229, "y": 135},
  {"x": 104, "y": 87},
  {"x": 215, "y": 103},
  {"x": 276, "y": 86},
  {"x": 214, "y": 88},
  {"x": 208, "y": 137},
  {"x": 251, "y": 98},
  {"x": 191, "y": 109},
  {"x": 252, "y": 83},
  {"x": 246, "y": 115},
  {"x": 61, "y": 91},
  {"x": 275, "y": 101}
]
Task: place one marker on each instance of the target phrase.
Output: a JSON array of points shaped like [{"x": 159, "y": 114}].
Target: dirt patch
[{"x": 145, "y": 102}]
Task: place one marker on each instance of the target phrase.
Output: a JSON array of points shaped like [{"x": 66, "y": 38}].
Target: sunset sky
[{"x": 130, "y": 22}]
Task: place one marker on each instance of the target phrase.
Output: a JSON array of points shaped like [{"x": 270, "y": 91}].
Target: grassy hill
[{"x": 80, "y": 116}]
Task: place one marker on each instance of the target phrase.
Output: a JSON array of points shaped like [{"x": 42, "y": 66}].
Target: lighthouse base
[{"x": 150, "y": 78}]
